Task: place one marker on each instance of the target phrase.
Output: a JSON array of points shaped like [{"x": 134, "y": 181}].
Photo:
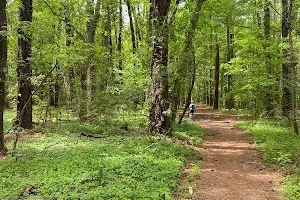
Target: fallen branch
[{"x": 92, "y": 136}]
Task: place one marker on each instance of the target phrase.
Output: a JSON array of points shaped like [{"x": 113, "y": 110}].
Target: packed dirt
[{"x": 232, "y": 168}]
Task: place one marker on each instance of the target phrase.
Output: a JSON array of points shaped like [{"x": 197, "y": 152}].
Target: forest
[{"x": 95, "y": 99}]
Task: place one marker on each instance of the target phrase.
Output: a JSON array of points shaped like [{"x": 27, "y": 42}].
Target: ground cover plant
[
  {"x": 280, "y": 146},
  {"x": 57, "y": 162}
]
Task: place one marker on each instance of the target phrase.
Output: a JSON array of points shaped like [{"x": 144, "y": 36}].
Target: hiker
[{"x": 192, "y": 108}]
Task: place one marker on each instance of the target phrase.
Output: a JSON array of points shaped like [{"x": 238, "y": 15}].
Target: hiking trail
[{"x": 232, "y": 168}]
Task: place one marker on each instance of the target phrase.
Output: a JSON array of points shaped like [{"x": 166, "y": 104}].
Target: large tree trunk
[
  {"x": 217, "y": 77},
  {"x": 286, "y": 70},
  {"x": 24, "y": 71},
  {"x": 3, "y": 62},
  {"x": 160, "y": 121}
]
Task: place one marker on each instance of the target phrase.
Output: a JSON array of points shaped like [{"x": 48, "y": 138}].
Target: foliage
[
  {"x": 122, "y": 165},
  {"x": 280, "y": 146},
  {"x": 189, "y": 132}
]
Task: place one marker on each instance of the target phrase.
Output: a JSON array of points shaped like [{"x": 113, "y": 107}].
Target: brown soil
[{"x": 232, "y": 168}]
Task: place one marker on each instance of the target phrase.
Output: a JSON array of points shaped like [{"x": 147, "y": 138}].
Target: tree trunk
[
  {"x": 69, "y": 33},
  {"x": 229, "y": 102},
  {"x": 133, "y": 40},
  {"x": 186, "y": 56},
  {"x": 94, "y": 16},
  {"x": 24, "y": 71},
  {"x": 160, "y": 121},
  {"x": 268, "y": 97},
  {"x": 107, "y": 44},
  {"x": 217, "y": 77},
  {"x": 286, "y": 71},
  {"x": 56, "y": 87},
  {"x": 189, "y": 95},
  {"x": 293, "y": 64},
  {"x": 3, "y": 63},
  {"x": 51, "y": 92},
  {"x": 119, "y": 47}
]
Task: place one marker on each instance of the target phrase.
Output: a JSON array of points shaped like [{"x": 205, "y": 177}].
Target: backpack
[{"x": 193, "y": 107}]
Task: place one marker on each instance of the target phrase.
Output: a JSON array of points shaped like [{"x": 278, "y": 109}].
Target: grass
[
  {"x": 280, "y": 146},
  {"x": 61, "y": 164},
  {"x": 189, "y": 132}
]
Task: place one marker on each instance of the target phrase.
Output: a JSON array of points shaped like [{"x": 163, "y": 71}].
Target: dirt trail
[{"x": 232, "y": 168}]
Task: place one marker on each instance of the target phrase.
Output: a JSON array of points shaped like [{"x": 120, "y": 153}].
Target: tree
[
  {"x": 3, "y": 61},
  {"x": 159, "y": 105},
  {"x": 24, "y": 71},
  {"x": 286, "y": 68},
  {"x": 217, "y": 77}
]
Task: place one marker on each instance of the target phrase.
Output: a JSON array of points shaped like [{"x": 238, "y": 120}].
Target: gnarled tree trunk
[{"x": 160, "y": 121}]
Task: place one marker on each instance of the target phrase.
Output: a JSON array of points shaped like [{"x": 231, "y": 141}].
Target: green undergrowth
[
  {"x": 189, "y": 132},
  {"x": 280, "y": 146},
  {"x": 60, "y": 163}
]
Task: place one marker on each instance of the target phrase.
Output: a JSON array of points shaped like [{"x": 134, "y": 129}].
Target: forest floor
[{"x": 232, "y": 167}]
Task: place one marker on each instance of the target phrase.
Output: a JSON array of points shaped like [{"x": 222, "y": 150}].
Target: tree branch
[{"x": 64, "y": 20}]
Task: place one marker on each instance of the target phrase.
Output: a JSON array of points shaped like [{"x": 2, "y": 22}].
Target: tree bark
[
  {"x": 160, "y": 121},
  {"x": 286, "y": 69},
  {"x": 217, "y": 77},
  {"x": 3, "y": 63},
  {"x": 24, "y": 70}
]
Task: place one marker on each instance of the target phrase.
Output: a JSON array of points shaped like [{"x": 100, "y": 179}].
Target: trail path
[{"x": 232, "y": 168}]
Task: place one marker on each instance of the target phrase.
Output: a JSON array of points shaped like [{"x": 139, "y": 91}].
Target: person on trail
[{"x": 192, "y": 108}]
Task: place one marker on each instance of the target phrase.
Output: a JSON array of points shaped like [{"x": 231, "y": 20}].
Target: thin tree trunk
[
  {"x": 160, "y": 121},
  {"x": 229, "y": 102},
  {"x": 293, "y": 63},
  {"x": 94, "y": 16},
  {"x": 286, "y": 71},
  {"x": 56, "y": 86},
  {"x": 133, "y": 40},
  {"x": 3, "y": 63},
  {"x": 186, "y": 54},
  {"x": 24, "y": 71},
  {"x": 217, "y": 77},
  {"x": 189, "y": 94},
  {"x": 69, "y": 33},
  {"x": 51, "y": 92},
  {"x": 119, "y": 48},
  {"x": 107, "y": 44}
]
